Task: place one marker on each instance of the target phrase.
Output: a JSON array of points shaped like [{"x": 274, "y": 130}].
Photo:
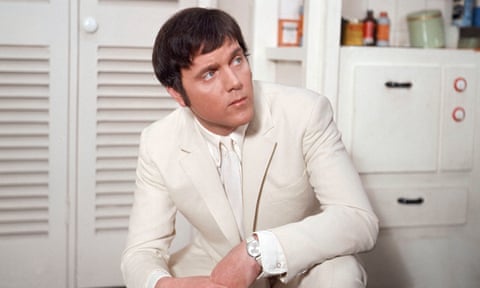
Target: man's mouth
[{"x": 238, "y": 101}]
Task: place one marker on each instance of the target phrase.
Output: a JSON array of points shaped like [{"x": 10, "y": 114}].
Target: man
[{"x": 258, "y": 169}]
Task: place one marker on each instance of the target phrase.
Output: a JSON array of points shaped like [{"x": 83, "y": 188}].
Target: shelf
[
  {"x": 285, "y": 54},
  {"x": 426, "y": 53}
]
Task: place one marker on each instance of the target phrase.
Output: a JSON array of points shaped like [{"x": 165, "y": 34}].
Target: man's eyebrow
[
  {"x": 214, "y": 66},
  {"x": 209, "y": 67},
  {"x": 237, "y": 52}
]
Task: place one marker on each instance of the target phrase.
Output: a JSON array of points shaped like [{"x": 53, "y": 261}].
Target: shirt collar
[{"x": 213, "y": 140}]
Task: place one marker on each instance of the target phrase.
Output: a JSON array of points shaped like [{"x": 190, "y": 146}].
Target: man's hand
[
  {"x": 237, "y": 269},
  {"x": 187, "y": 282}
]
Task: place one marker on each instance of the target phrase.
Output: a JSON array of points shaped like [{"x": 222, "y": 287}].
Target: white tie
[{"x": 230, "y": 169}]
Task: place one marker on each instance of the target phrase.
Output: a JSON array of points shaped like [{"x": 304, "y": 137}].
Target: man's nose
[{"x": 231, "y": 80}]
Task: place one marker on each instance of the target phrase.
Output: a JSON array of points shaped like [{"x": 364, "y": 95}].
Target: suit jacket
[{"x": 298, "y": 182}]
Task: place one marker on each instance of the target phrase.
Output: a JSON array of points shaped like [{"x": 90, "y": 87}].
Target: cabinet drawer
[
  {"x": 406, "y": 207},
  {"x": 395, "y": 127}
]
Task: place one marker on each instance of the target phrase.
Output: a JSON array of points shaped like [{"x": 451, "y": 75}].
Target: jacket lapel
[
  {"x": 258, "y": 149},
  {"x": 199, "y": 167}
]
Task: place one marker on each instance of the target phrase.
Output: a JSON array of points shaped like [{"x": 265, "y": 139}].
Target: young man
[{"x": 258, "y": 169}]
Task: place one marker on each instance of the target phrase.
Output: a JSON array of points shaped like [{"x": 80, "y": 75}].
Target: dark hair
[{"x": 187, "y": 33}]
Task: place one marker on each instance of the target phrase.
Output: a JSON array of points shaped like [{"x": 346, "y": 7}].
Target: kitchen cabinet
[
  {"x": 407, "y": 101},
  {"x": 397, "y": 114},
  {"x": 402, "y": 118},
  {"x": 409, "y": 119}
]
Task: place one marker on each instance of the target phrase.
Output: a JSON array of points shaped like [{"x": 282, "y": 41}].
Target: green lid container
[{"x": 426, "y": 29}]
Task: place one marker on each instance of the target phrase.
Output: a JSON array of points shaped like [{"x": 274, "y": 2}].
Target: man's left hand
[{"x": 237, "y": 269}]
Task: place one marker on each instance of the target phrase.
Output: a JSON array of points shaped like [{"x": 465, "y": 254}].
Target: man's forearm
[
  {"x": 237, "y": 269},
  {"x": 187, "y": 282}
]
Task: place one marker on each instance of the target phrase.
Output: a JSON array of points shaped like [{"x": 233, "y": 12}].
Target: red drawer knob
[
  {"x": 458, "y": 114},
  {"x": 460, "y": 84}
]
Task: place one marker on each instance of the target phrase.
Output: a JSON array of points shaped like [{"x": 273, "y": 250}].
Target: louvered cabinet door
[
  {"x": 118, "y": 97},
  {"x": 33, "y": 143}
]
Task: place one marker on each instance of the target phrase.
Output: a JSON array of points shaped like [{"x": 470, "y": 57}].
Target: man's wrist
[
  {"x": 165, "y": 282},
  {"x": 155, "y": 276},
  {"x": 253, "y": 250},
  {"x": 273, "y": 257}
]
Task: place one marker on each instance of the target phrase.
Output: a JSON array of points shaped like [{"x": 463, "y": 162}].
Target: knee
[
  {"x": 339, "y": 272},
  {"x": 348, "y": 272}
]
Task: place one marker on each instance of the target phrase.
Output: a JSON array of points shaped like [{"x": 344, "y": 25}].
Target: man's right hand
[{"x": 187, "y": 282}]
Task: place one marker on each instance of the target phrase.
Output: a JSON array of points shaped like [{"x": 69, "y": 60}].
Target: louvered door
[
  {"x": 118, "y": 96},
  {"x": 33, "y": 143}
]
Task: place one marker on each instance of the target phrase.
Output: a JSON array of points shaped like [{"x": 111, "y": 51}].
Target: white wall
[{"x": 242, "y": 13}]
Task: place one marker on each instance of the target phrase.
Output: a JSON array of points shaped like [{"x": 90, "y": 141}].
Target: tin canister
[
  {"x": 353, "y": 33},
  {"x": 426, "y": 29}
]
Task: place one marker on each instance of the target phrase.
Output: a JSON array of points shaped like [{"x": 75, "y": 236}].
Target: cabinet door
[
  {"x": 33, "y": 144},
  {"x": 458, "y": 117},
  {"x": 395, "y": 118},
  {"x": 118, "y": 96}
]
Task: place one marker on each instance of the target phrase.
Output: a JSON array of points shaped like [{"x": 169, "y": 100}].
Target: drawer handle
[
  {"x": 407, "y": 201},
  {"x": 391, "y": 84}
]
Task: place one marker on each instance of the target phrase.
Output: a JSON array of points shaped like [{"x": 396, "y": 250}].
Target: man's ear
[{"x": 177, "y": 96}]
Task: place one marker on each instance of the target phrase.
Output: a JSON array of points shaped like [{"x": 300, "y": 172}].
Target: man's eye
[
  {"x": 208, "y": 75},
  {"x": 237, "y": 60}
]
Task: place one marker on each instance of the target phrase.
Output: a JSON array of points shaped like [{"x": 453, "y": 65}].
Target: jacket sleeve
[
  {"x": 346, "y": 223},
  {"x": 152, "y": 220}
]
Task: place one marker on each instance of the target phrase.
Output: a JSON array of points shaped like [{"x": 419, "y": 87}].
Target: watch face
[{"x": 253, "y": 248}]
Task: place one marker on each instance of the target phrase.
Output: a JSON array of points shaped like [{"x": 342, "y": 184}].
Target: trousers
[{"x": 339, "y": 272}]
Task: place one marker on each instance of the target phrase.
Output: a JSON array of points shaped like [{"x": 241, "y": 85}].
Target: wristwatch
[{"x": 253, "y": 249}]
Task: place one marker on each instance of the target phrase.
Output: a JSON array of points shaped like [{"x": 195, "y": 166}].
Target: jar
[
  {"x": 353, "y": 34},
  {"x": 426, "y": 29}
]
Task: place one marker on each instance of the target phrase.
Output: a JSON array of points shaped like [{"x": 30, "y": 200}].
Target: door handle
[
  {"x": 90, "y": 25},
  {"x": 410, "y": 201},
  {"x": 393, "y": 84}
]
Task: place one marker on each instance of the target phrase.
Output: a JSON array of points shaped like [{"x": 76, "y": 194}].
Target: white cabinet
[
  {"x": 408, "y": 118},
  {"x": 414, "y": 141},
  {"x": 33, "y": 143},
  {"x": 460, "y": 114},
  {"x": 395, "y": 116},
  {"x": 400, "y": 111},
  {"x": 73, "y": 99},
  {"x": 419, "y": 206},
  {"x": 118, "y": 95}
]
